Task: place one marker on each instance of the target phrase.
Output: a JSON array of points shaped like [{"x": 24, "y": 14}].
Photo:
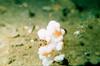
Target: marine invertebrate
[{"x": 50, "y": 52}]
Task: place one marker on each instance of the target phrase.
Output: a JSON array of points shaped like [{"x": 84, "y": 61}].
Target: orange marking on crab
[
  {"x": 57, "y": 33},
  {"x": 46, "y": 53},
  {"x": 52, "y": 53}
]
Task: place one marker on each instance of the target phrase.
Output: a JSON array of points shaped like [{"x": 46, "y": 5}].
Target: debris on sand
[
  {"x": 47, "y": 8},
  {"x": 76, "y": 33},
  {"x": 29, "y": 29},
  {"x": 2, "y": 25},
  {"x": 2, "y": 9},
  {"x": 31, "y": 14}
]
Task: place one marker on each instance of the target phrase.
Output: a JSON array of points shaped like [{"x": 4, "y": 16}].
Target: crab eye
[{"x": 65, "y": 30}]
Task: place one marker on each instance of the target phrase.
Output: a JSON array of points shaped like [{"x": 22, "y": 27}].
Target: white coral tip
[
  {"x": 59, "y": 58},
  {"x": 41, "y": 33},
  {"x": 53, "y": 25},
  {"x": 59, "y": 46},
  {"x": 62, "y": 31}
]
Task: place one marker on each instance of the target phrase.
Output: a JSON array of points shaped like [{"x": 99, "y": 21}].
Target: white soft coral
[
  {"x": 44, "y": 35},
  {"x": 46, "y": 49},
  {"x": 53, "y": 34},
  {"x": 52, "y": 26},
  {"x": 59, "y": 46},
  {"x": 59, "y": 58},
  {"x": 41, "y": 33}
]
